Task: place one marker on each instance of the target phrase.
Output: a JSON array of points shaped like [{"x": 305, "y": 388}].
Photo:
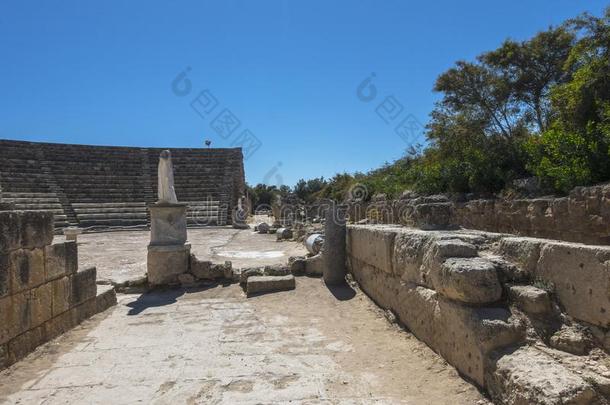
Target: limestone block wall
[
  {"x": 472, "y": 297},
  {"x": 42, "y": 292},
  {"x": 583, "y": 216}
]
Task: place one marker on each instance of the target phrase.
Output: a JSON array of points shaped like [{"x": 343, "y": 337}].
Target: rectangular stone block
[
  {"x": 106, "y": 298},
  {"x": 6, "y": 320},
  {"x": 85, "y": 310},
  {"x": 165, "y": 263},
  {"x": 26, "y": 269},
  {"x": 372, "y": 244},
  {"x": 25, "y": 343},
  {"x": 59, "y": 324},
  {"x": 62, "y": 290},
  {"x": 10, "y": 231},
  {"x": 21, "y": 312},
  {"x": 3, "y": 356},
  {"x": 41, "y": 304},
  {"x": 5, "y": 279},
  {"x": 61, "y": 259},
  {"x": 83, "y": 286},
  {"x": 36, "y": 229},
  {"x": 580, "y": 276},
  {"x": 262, "y": 284},
  {"x": 167, "y": 224}
]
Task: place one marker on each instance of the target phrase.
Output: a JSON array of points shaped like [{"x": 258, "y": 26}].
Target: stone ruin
[
  {"x": 109, "y": 187},
  {"x": 525, "y": 319},
  {"x": 43, "y": 293}
]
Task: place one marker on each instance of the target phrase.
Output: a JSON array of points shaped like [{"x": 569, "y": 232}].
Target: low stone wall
[
  {"x": 475, "y": 297},
  {"x": 583, "y": 216},
  {"x": 42, "y": 293}
]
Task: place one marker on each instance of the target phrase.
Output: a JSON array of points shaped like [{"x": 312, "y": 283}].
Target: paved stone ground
[
  {"x": 214, "y": 346},
  {"x": 121, "y": 255}
]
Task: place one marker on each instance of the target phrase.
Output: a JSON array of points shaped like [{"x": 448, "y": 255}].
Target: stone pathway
[{"x": 213, "y": 346}]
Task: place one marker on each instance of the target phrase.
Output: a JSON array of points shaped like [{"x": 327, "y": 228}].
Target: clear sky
[{"x": 286, "y": 72}]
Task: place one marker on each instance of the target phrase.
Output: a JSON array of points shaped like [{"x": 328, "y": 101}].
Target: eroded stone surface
[{"x": 216, "y": 346}]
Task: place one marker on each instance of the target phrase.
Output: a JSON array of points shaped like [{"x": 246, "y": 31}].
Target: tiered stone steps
[
  {"x": 106, "y": 187},
  {"x": 38, "y": 202}
]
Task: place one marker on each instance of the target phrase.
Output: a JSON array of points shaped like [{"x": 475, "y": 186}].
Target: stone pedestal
[
  {"x": 166, "y": 263},
  {"x": 167, "y": 224},
  {"x": 168, "y": 252}
]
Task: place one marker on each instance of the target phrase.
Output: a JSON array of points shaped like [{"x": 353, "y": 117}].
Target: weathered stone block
[
  {"x": 471, "y": 280},
  {"x": 580, "y": 275},
  {"x": 10, "y": 231},
  {"x": 167, "y": 224},
  {"x": 524, "y": 252},
  {"x": 571, "y": 340},
  {"x": 530, "y": 299},
  {"x": 165, "y": 263},
  {"x": 528, "y": 376},
  {"x": 61, "y": 259},
  {"x": 60, "y": 324},
  {"x": 106, "y": 298},
  {"x": 36, "y": 229},
  {"x": 262, "y": 284},
  {"x": 202, "y": 269},
  {"x": 408, "y": 255},
  {"x": 21, "y": 315},
  {"x": 4, "y": 361},
  {"x": 41, "y": 304},
  {"x": 5, "y": 279},
  {"x": 84, "y": 310},
  {"x": 7, "y": 330},
  {"x": 83, "y": 286},
  {"x": 25, "y": 343},
  {"x": 434, "y": 215},
  {"x": 62, "y": 290},
  {"x": 373, "y": 245},
  {"x": 26, "y": 269}
]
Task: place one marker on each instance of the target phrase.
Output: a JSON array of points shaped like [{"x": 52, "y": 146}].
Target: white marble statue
[{"x": 167, "y": 194}]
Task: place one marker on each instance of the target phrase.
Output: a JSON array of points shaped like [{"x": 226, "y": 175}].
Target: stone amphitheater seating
[{"x": 100, "y": 187}]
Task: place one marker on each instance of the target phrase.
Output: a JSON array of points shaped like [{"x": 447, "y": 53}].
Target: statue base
[
  {"x": 165, "y": 263},
  {"x": 168, "y": 252},
  {"x": 167, "y": 224}
]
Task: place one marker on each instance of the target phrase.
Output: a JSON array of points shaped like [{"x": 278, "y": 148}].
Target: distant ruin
[{"x": 102, "y": 187}]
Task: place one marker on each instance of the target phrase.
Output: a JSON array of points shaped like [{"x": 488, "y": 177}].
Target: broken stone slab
[
  {"x": 470, "y": 280},
  {"x": 275, "y": 270},
  {"x": 297, "y": 265},
  {"x": 530, "y": 299},
  {"x": 528, "y": 376},
  {"x": 262, "y": 284}
]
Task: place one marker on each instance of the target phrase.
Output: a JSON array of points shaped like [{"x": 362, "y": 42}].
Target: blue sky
[{"x": 106, "y": 73}]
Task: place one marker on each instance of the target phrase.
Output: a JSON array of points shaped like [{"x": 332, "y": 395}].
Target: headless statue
[{"x": 166, "y": 191}]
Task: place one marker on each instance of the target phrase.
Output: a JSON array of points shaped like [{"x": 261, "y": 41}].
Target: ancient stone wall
[
  {"x": 105, "y": 187},
  {"x": 582, "y": 216},
  {"x": 42, "y": 292},
  {"x": 476, "y": 297}
]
